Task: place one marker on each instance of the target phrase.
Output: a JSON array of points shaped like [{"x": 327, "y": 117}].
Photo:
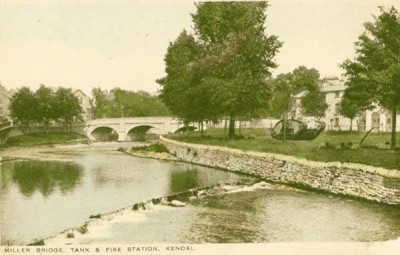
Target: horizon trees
[
  {"x": 124, "y": 103},
  {"x": 44, "y": 106},
  {"x": 224, "y": 67},
  {"x": 374, "y": 73}
]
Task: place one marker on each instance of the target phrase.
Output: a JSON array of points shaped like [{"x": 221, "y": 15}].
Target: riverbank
[
  {"x": 356, "y": 180},
  {"x": 30, "y": 140},
  {"x": 67, "y": 151},
  {"x": 327, "y": 147},
  {"x": 153, "y": 151}
]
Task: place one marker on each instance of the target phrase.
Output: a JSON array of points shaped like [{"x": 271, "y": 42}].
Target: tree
[
  {"x": 182, "y": 90},
  {"x": 101, "y": 103},
  {"x": 355, "y": 100},
  {"x": 44, "y": 106},
  {"x": 349, "y": 109},
  {"x": 313, "y": 103},
  {"x": 300, "y": 79},
  {"x": 124, "y": 103},
  {"x": 376, "y": 68},
  {"x": 23, "y": 106},
  {"x": 237, "y": 56},
  {"x": 45, "y": 111},
  {"x": 66, "y": 106}
]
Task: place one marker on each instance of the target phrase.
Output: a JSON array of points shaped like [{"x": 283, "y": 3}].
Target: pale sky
[{"x": 104, "y": 44}]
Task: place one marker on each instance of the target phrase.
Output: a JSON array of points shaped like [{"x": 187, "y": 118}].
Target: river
[{"x": 60, "y": 188}]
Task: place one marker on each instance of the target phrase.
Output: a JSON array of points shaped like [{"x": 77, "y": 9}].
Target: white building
[
  {"x": 5, "y": 99},
  {"x": 85, "y": 103},
  {"x": 379, "y": 118}
]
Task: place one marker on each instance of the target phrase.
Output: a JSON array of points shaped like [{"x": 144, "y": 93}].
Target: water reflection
[
  {"x": 226, "y": 220},
  {"x": 60, "y": 195},
  {"x": 44, "y": 177},
  {"x": 183, "y": 181}
]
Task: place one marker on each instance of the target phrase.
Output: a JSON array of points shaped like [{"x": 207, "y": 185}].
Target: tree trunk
[
  {"x": 231, "y": 133},
  {"x": 201, "y": 128},
  {"x": 351, "y": 125},
  {"x": 394, "y": 115},
  {"x": 225, "y": 130}
]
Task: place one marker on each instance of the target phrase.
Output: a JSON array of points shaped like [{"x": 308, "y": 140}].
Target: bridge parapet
[{"x": 122, "y": 126}]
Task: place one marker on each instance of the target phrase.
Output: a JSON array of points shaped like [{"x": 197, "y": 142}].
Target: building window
[
  {"x": 337, "y": 109},
  {"x": 337, "y": 94},
  {"x": 375, "y": 120},
  {"x": 336, "y": 123}
]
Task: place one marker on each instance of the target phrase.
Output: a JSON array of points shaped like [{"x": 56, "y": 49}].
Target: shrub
[
  {"x": 251, "y": 136},
  {"x": 153, "y": 147},
  {"x": 327, "y": 145}
]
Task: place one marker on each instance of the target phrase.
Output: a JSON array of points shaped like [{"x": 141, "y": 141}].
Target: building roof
[
  {"x": 301, "y": 94},
  {"x": 75, "y": 91},
  {"x": 329, "y": 85},
  {"x": 333, "y": 85}
]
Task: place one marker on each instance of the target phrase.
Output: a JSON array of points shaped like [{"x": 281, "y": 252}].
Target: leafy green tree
[
  {"x": 66, "y": 106},
  {"x": 237, "y": 56},
  {"x": 313, "y": 103},
  {"x": 355, "y": 100},
  {"x": 376, "y": 68},
  {"x": 284, "y": 86},
  {"x": 182, "y": 90},
  {"x": 45, "y": 105},
  {"x": 123, "y": 103},
  {"x": 23, "y": 106},
  {"x": 101, "y": 103},
  {"x": 281, "y": 92}
]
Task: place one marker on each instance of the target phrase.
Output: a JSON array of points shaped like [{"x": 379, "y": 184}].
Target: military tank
[{"x": 292, "y": 129}]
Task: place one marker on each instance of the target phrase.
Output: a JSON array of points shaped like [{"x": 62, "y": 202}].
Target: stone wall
[{"x": 363, "y": 181}]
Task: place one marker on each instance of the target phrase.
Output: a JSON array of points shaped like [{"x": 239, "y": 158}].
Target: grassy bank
[
  {"x": 41, "y": 139},
  {"x": 329, "y": 146}
]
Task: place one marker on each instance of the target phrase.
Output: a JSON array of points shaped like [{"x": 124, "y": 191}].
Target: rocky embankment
[{"x": 356, "y": 180}]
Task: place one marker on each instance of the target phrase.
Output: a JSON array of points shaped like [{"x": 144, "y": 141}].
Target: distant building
[
  {"x": 85, "y": 103},
  {"x": 334, "y": 89},
  {"x": 5, "y": 100}
]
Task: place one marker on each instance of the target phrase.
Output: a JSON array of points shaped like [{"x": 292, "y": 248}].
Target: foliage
[
  {"x": 284, "y": 86},
  {"x": 66, "y": 105},
  {"x": 23, "y": 105},
  {"x": 45, "y": 110},
  {"x": 313, "y": 104},
  {"x": 181, "y": 90},
  {"x": 375, "y": 71},
  {"x": 44, "y": 106},
  {"x": 123, "y": 103},
  {"x": 159, "y": 148},
  {"x": 217, "y": 73}
]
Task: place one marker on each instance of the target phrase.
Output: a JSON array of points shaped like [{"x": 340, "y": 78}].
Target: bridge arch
[
  {"x": 102, "y": 134},
  {"x": 139, "y": 132}
]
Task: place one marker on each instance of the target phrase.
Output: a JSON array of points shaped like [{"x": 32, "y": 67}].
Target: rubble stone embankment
[{"x": 357, "y": 180}]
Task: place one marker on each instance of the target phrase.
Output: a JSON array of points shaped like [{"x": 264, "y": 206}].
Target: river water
[{"x": 41, "y": 198}]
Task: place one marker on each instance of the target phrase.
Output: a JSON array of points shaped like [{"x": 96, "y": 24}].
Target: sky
[{"x": 86, "y": 44}]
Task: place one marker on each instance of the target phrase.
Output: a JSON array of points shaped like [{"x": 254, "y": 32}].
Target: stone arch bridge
[{"x": 123, "y": 126}]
